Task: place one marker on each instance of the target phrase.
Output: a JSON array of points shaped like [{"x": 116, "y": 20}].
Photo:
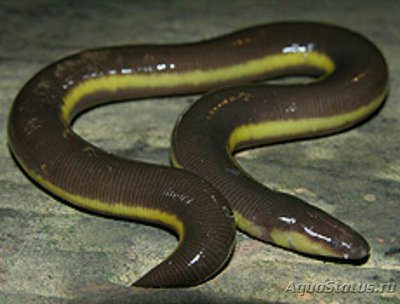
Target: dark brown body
[{"x": 52, "y": 154}]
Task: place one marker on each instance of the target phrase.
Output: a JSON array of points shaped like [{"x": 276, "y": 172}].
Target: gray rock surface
[{"x": 52, "y": 253}]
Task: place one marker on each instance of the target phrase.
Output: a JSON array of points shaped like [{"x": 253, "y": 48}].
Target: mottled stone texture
[{"x": 52, "y": 253}]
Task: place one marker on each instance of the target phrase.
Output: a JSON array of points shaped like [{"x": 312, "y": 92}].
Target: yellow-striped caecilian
[{"x": 351, "y": 82}]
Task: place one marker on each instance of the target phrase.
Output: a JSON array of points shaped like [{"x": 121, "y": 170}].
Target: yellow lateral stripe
[
  {"x": 247, "y": 226},
  {"x": 298, "y": 241},
  {"x": 271, "y": 129},
  {"x": 113, "y": 83},
  {"x": 117, "y": 209},
  {"x": 173, "y": 159}
]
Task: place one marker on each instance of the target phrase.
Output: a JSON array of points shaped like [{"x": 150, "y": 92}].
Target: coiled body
[{"x": 351, "y": 83}]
